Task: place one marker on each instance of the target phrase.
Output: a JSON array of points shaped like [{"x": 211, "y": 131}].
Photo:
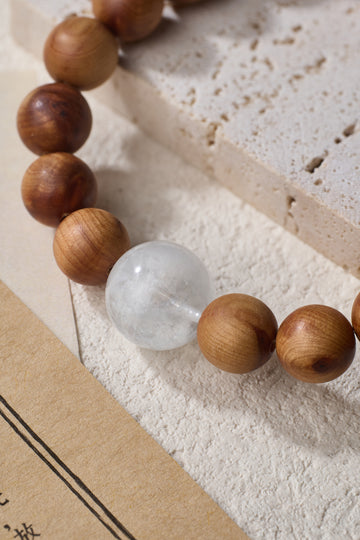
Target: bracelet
[{"x": 158, "y": 294}]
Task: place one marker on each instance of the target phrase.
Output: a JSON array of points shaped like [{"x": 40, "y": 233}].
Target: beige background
[{"x": 280, "y": 457}]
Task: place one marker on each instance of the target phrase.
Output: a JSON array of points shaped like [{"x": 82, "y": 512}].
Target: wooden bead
[
  {"x": 82, "y": 52},
  {"x": 54, "y": 118},
  {"x": 55, "y": 185},
  {"x": 315, "y": 344},
  {"x": 237, "y": 333},
  {"x": 87, "y": 244},
  {"x": 355, "y": 316},
  {"x": 132, "y": 20}
]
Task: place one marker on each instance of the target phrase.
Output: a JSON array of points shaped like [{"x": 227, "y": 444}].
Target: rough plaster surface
[
  {"x": 255, "y": 93},
  {"x": 280, "y": 457}
]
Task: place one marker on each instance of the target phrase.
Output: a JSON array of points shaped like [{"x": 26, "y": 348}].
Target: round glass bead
[{"x": 155, "y": 295}]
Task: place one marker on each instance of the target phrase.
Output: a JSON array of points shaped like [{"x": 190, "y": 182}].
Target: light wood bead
[
  {"x": 131, "y": 20},
  {"x": 54, "y": 118},
  {"x": 237, "y": 333},
  {"x": 355, "y": 316},
  {"x": 82, "y": 52},
  {"x": 55, "y": 185},
  {"x": 315, "y": 344},
  {"x": 88, "y": 243}
]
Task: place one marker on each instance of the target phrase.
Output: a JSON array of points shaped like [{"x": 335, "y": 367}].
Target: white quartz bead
[{"x": 155, "y": 295}]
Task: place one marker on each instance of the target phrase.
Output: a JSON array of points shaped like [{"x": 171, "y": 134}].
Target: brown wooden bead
[
  {"x": 132, "y": 20},
  {"x": 237, "y": 333},
  {"x": 88, "y": 243},
  {"x": 54, "y": 118},
  {"x": 315, "y": 344},
  {"x": 57, "y": 184},
  {"x": 82, "y": 52},
  {"x": 355, "y": 316}
]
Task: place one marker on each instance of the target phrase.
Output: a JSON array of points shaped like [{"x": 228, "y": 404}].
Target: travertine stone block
[{"x": 262, "y": 95}]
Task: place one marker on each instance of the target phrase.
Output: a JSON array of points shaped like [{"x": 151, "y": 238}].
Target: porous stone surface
[
  {"x": 281, "y": 457},
  {"x": 262, "y": 95}
]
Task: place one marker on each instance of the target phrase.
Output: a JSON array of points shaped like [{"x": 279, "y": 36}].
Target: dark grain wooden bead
[
  {"x": 57, "y": 184},
  {"x": 88, "y": 243},
  {"x": 82, "y": 52},
  {"x": 54, "y": 118},
  {"x": 355, "y": 316},
  {"x": 131, "y": 20},
  {"x": 237, "y": 332},
  {"x": 315, "y": 344}
]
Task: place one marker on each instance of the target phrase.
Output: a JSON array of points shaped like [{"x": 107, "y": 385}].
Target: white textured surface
[
  {"x": 281, "y": 457},
  {"x": 254, "y": 92}
]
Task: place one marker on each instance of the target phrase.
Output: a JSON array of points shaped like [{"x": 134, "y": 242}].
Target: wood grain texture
[
  {"x": 82, "y": 52},
  {"x": 54, "y": 118},
  {"x": 237, "y": 333},
  {"x": 55, "y": 185},
  {"x": 315, "y": 344},
  {"x": 355, "y": 316},
  {"x": 131, "y": 20},
  {"x": 87, "y": 244}
]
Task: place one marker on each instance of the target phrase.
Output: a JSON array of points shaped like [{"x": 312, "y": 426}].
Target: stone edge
[{"x": 204, "y": 146}]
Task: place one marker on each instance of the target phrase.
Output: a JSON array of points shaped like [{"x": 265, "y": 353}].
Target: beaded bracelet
[{"x": 158, "y": 294}]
